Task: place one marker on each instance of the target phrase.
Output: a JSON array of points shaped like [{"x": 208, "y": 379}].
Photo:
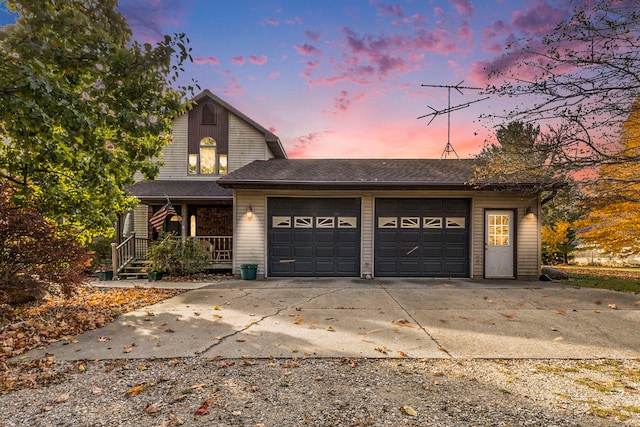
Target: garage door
[
  {"x": 422, "y": 237},
  {"x": 313, "y": 237}
]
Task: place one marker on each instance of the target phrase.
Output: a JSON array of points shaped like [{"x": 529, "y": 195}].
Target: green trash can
[
  {"x": 105, "y": 275},
  {"x": 248, "y": 271}
]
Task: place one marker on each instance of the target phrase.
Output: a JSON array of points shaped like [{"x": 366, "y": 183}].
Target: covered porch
[{"x": 201, "y": 210}]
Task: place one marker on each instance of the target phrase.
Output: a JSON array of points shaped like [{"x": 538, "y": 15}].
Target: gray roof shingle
[
  {"x": 354, "y": 173},
  {"x": 180, "y": 190}
]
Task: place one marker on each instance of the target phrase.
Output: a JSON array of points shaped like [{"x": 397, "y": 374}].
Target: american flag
[{"x": 158, "y": 218}]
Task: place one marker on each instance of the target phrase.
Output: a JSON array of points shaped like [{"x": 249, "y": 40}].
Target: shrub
[
  {"x": 35, "y": 253},
  {"x": 177, "y": 256}
]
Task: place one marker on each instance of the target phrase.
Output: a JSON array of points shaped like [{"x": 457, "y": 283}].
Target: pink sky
[{"x": 336, "y": 79}]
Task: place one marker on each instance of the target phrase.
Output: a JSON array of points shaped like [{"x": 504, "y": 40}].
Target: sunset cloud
[
  {"x": 233, "y": 88},
  {"x": 258, "y": 60},
  {"x": 388, "y": 9},
  {"x": 237, "y": 60},
  {"x": 464, "y": 7},
  {"x": 302, "y": 144},
  {"x": 208, "y": 60},
  {"x": 306, "y": 49},
  {"x": 273, "y": 22},
  {"x": 537, "y": 20},
  {"x": 313, "y": 36},
  {"x": 148, "y": 19},
  {"x": 344, "y": 100}
]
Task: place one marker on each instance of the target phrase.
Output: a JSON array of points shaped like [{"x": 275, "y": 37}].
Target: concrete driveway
[{"x": 379, "y": 318}]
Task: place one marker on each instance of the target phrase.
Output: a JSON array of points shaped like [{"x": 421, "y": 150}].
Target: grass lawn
[{"x": 615, "y": 279}]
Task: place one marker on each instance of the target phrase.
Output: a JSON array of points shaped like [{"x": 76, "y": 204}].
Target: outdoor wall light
[
  {"x": 176, "y": 218},
  {"x": 529, "y": 213},
  {"x": 250, "y": 212}
]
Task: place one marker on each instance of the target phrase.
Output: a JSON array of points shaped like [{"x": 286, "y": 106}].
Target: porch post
[
  {"x": 114, "y": 258},
  {"x": 183, "y": 225}
]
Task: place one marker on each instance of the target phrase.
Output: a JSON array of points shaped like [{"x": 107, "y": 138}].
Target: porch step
[{"x": 136, "y": 269}]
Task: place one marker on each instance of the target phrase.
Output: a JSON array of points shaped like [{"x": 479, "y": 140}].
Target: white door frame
[{"x": 500, "y": 244}]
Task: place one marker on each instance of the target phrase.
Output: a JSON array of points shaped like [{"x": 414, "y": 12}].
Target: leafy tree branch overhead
[
  {"x": 583, "y": 78},
  {"x": 83, "y": 108}
]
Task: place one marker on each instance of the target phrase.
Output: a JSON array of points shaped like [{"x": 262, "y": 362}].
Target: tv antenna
[{"x": 448, "y": 149}]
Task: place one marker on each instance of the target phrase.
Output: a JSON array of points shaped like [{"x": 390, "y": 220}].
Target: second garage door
[
  {"x": 422, "y": 237},
  {"x": 314, "y": 237}
]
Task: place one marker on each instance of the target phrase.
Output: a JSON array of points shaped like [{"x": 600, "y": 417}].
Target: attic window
[{"x": 208, "y": 114}]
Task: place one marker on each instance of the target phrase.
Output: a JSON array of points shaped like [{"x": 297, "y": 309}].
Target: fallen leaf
[
  {"x": 204, "y": 407},
  {"x": 382, "y": 349},
  {"x": 175, "y": 420},
  {"x": 409, "y": 411},
  {"x": 613, "y": 306},
  {"x": 135, "y": 390},
  {"x": 330, "y": 329},
  {"x": 174, "y": 362},
  {"x": 299, "y": 319},
  {"x": 62, "y": 398},
  {"x": 403, "y": 322},
  {"x": 216, "y": 307},
  {"x": 103, "y": 339},
  {"x": 510, "y": 315},
  {"x": 96, "y": 390},
  {"x": 152, "y": 408},
  {"x": 402, "y": 353}
]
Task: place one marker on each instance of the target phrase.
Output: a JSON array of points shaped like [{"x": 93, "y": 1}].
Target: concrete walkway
[{"x": 418, "y": 318}]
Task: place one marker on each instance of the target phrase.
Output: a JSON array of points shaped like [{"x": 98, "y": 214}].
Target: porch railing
[{"x": 219, "y": 248}]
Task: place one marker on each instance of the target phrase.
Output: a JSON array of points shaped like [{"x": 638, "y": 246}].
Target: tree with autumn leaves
[
  {"x": 612, "y": 222},
  {"x": 581, "y": 82},
  {"x": 83, "y": 108}
]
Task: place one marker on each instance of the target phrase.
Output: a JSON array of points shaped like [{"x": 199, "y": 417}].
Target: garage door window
[
  {"x": 388, "y": 222},
  {"x": 410, "y": 222},
  {"x": 303, "y": 222},
  {"x": 325, "y": 222},
  {"x": 431, "y": 222},
  {"x": 281, "y": 222},
  {"x": 347, "y": 222},
  {"x": 455, "y": 222}
]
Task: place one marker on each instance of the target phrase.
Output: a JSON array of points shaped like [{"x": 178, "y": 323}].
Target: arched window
[
  {"x": 208, "y": 161},
  {"x": 208, "y": 114}
]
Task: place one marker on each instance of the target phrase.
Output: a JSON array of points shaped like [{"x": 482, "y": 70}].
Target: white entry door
[{"x": 499, "y": 244}]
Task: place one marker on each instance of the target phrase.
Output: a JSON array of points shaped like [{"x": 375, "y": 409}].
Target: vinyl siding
[
  {"x": 527, "y": 232},
  {"x": 250, "y": 237},
  {"x": 174, "y": 155},
  {"x": 249, "y": 243},
  {"x": 141, "y": 221},
  {"x": 246, "y": 144}
]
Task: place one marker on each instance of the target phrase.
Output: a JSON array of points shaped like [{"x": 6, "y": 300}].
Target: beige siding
[
  {"x": 527, "y": 232},
  {"x": 249, "y": 243},
  {"x": 141, "y": 220},
  {"x": 366, "y": 266},
  {"x": 246, "y": 144},
  {"x": 251, "y": 235},
  {"x": 174, "y": 155}
]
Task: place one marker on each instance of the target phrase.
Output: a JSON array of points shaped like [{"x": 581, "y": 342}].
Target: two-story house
[
  {"x": 233, "y": 187},
  {"x": 210, "y": 141}
]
